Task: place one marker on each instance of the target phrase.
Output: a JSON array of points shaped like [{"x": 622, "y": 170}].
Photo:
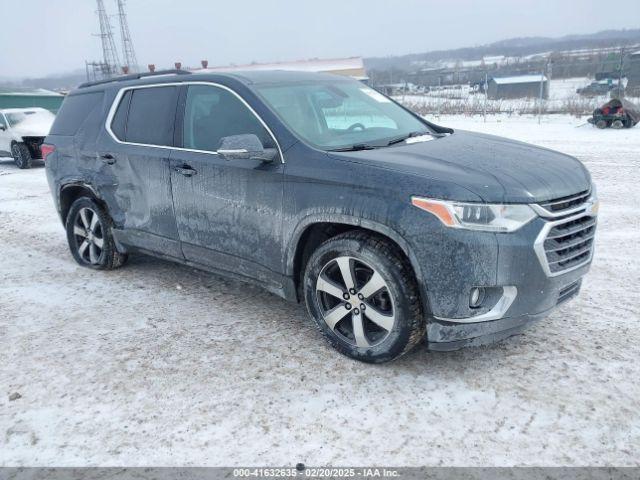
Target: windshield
[
  {"x": 341, "y": 114},
  {"x": 33, "y": 116}
]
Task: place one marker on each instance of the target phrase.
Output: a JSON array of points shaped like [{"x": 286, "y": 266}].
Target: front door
[{"x": 228, "y": 212}]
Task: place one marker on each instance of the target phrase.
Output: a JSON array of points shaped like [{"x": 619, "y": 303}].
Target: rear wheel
[
  {"x": 89, "y": 236},
  {"x": 363, "y": 297},
  {"x": 21, "y": 155},
  {"x": 617, "y": 124},
  {"x": 601, "y": 124}
]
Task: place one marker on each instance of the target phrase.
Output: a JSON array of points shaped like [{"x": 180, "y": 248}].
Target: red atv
[{"x": 616, "y": 114}]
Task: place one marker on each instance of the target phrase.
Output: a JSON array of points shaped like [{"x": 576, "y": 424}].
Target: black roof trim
[{"x": 134, "y": 76}]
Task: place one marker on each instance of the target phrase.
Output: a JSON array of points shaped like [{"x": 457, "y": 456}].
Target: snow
[
  {"x": 30, "y": 122},
  {"x": 501, "y": 60},
  {"x": 23, "y": 109},
  {"x": 160, "y": 364},
  {"x": 518, "y": 79},
  {"x": 30, "y": 92},
  {"x": 461, "y": 99}
]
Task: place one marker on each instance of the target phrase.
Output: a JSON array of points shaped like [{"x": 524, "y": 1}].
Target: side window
[
  {"x": 119, "y": 123},
  {"x": 151, "y": 116},
  {"x": 212, "y": 113}
]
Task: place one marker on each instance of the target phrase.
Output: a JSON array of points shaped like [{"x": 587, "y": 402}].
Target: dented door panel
[{"x": 135, "y": 182}]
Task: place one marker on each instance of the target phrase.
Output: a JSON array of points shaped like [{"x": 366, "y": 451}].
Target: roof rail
[{"x": 134, "y": 76}]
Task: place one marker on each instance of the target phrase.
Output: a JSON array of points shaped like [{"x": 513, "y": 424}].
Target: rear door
[
  {"x": 135, "y": 160},
  {"x": 228, "y": 212}
]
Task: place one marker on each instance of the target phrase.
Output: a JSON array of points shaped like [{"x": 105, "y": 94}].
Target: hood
[
  {"x": 38, "y": 126},
  {"x": 496, "y": 169}
]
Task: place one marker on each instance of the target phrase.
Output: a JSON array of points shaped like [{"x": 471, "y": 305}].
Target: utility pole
[
  {"x": 620, "y": 68},
  {"x": 128, "y": 52},
  {"x": 486, "y": 95},
  {"x": 541, "y": 92},
  {"x": 110, "y": 60}
]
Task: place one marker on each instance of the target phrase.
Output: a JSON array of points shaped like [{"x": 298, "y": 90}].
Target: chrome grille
[
  {"x": 567, "y": 244},
  {"x": 563, "y": 204}
]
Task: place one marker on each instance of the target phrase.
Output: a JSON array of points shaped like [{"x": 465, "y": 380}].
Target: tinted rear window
[
  {"x": 74, "y": 111},
  {"x": 151, "y": 116}
]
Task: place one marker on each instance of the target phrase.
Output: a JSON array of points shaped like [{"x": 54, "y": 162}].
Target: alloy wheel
[
  {"x": 89, "y": 236},
  {"x": 355, "y": 302}
]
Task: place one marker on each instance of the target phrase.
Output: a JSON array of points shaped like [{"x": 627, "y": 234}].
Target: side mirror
[
  {"x": 245, "y": 147},
  {"x": 3, "y": 128}
]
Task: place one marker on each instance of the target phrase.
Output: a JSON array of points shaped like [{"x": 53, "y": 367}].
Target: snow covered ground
[{"x": 159, "y": 364}]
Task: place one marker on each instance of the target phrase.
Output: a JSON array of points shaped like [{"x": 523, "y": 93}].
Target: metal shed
[
  {"x": 520, "y": 86},
  {"x": 25, "y": 98}
]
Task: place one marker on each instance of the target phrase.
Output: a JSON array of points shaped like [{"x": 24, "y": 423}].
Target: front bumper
[
  {"x": 447, "y": 337},
  {"x": 509, "y": 265},
  {"x": 444, "y": 335}
]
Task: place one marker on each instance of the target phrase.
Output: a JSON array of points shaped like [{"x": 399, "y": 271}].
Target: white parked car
[{"x": 22, "y": 131}]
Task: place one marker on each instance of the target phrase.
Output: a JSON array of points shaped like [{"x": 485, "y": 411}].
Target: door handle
[
  {"x": 108, "y": 158},
  {"x": 186, "y": 170}
]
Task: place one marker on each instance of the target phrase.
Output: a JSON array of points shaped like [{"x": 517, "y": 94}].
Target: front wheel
[
  {"x": 89, "y": 236},
  {"x": 363, "y": 297},
  {"x": 21, "y": 155}
]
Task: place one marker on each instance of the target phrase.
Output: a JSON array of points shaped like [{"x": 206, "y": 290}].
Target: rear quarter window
[
  {"x": 119, "y": 123},
  {"x": 74, "y": 111}
]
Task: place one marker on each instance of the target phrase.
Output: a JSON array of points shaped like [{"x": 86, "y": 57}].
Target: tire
[
  {"x": 602, "y": 124},
  {"x": 617, "y": 124},
  {"x": 392, "y": 322},
  {"x": 21, "y": 155},
  {"x": 89, "y": 236}
]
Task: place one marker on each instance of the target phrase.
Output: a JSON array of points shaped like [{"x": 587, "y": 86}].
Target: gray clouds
[{"x": 56, "y": 35}]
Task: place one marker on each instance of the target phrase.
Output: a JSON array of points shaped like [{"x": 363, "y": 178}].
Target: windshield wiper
[
  {"x": 393, "y": 141},
  {"x": 354, "y": 148},
  {"x": 405, "y": 137}
]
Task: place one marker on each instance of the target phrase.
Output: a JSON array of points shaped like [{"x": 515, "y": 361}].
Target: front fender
[{"x": 311, "y": 218}]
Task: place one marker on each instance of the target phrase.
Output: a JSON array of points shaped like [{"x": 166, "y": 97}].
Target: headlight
[{"x": 477, "y": 216}]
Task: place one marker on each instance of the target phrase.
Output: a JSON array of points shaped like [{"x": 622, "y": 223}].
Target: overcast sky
[{"x": 54, "y": 36}]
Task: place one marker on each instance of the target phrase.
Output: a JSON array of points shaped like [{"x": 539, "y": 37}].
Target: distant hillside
[
  {"x": 54, "y": 82},
  {"x": 511, "y": 47},
  {"x": 514, "y": 47}
]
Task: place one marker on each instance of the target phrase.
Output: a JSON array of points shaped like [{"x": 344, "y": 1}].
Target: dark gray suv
[{"x": 322, "y": 190}]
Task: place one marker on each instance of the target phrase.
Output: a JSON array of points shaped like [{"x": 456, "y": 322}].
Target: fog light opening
[{"x": 476, "y": 297}]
